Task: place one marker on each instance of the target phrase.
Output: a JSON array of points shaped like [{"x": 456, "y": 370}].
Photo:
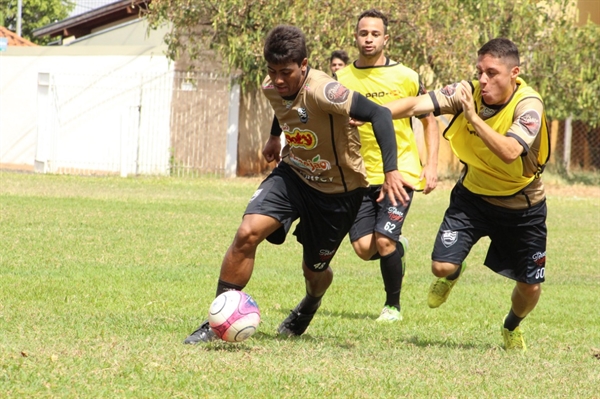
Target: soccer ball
[{"x": 234, "y": 316}]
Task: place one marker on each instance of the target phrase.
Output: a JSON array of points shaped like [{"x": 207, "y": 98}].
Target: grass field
[{"x": 102, "y": 278}]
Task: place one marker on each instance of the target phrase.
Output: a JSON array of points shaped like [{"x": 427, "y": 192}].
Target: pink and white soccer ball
[{"x": 234, "y": 316}]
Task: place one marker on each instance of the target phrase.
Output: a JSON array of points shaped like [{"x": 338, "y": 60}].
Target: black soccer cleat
[
  {"x": 202, "y": 334},
  {"x": 296, "y": 323}
]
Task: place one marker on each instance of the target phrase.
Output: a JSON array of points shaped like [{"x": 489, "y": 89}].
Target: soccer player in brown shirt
[{"x": 320, "y": 178}]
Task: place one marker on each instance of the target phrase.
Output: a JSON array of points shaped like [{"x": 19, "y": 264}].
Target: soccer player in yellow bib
[
  {"x": 500, "y": 133},
  {"x": 376, "y": 233}
]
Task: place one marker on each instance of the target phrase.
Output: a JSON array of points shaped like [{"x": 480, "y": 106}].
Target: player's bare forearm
[
  {"x": 432, "y": 141},
  {"x": 410, "y": 106}
]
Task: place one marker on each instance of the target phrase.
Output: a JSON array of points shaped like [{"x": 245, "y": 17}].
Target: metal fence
[{"x": 576, "y": 147}]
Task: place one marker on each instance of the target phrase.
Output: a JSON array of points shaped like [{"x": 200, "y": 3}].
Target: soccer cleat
[
  {"x": 404, "y": 241},
  {"x": 389, "y": 314},
  {"x": 513, "y": 340},
  {"x": 295, "y": 324},
  {"x": 202, "y": 334},
  {"x": 440, "y": 289}
]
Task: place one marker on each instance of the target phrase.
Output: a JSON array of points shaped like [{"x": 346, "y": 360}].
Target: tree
[
  {"x": 438, "y": 38},
  {"x": 34, "y": 14}
]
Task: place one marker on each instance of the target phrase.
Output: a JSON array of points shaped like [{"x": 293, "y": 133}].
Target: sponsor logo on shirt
[
  {"x": 300, "y": 138},
  {"x": 530, "y": 122},
  {"x": 449, "y": 90},
  {"x": 336, "y": 92},
  {"x": 315, "y": 164},
  {"x": 317, "y": 179},
  {"x": 392, "y": 93}
]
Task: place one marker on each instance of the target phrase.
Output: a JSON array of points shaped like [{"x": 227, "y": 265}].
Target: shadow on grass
[
  {"x": 424, "y": 343},
  {"x": 250, "y": 344},
  {"x": 342, "y": 314},
  {"x": 404, "y": 340},
  {"x": 261, "y": 338}
]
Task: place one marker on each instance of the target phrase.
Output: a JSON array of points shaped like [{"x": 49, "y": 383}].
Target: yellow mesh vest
[
  {"x": 486, "y": 173},
  {"x": 383, "y": 84}
]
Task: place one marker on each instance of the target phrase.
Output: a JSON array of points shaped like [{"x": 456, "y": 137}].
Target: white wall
[{"x": 98, "y": 99}]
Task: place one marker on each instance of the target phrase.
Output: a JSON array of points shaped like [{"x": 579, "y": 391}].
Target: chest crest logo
[
  {"x": 487, "y": 112},
  {"x": 303, "y": 115}
]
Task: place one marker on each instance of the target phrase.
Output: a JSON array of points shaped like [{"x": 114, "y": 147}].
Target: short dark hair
[
  {"x": 373, "y": 13},
  {"x": 341, "y": 54},
  {"x": 284, "y": 44},
  {"x": 501, "y": 47}
]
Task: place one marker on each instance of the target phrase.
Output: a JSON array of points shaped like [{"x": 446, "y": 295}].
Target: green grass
[{"x": 102, "y": 278}]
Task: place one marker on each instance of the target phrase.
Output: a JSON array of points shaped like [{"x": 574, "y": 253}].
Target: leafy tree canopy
[
  {"x": 34, "y": 15},
  {"x": 438, "y": 38}
]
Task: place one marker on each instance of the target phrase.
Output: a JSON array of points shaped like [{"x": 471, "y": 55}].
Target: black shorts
[
  {"x": 381, "y": 217},
  {"x": 518, "y": 237},
  {"x": 325, "y": 219}
]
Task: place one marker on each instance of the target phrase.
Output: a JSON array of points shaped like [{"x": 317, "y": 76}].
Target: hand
[
  {"x": 272, "y": 149},
  {"x": 355, "y": 123},
  {"x": 429, "y": 173},
  {"x": 466, "y": 98},
  {"x": 393, "y": 187}
]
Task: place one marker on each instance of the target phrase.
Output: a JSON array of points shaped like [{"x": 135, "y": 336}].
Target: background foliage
[
  {"x": 438, "y": 38},
  {"x": 34, "y": 15}
]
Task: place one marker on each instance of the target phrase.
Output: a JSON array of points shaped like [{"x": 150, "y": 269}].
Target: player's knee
[
  {"x": 246, "y": 237},
  {"x": 312, "y": 274},
  {"x": 529, "y": 290},
  {"x": 362, "y": 251},
  {"x": 386, "y": 245},
  {"x": 443, "y": 269},
  {"x": 364, "y": 255}
]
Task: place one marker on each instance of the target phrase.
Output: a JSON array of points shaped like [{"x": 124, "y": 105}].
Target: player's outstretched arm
[
  {"x": 383, "y": 128},
  {"x": 410, "y": 106}
]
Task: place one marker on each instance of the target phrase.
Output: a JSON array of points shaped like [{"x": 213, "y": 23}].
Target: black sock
[
  {"x": 455, "y": 274},
  {"x": 391, "y": 272},
  {"x": 512, "y": 321},
  {"x": 223, "y": 286},
  {"x": 309, "y": 304}
]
